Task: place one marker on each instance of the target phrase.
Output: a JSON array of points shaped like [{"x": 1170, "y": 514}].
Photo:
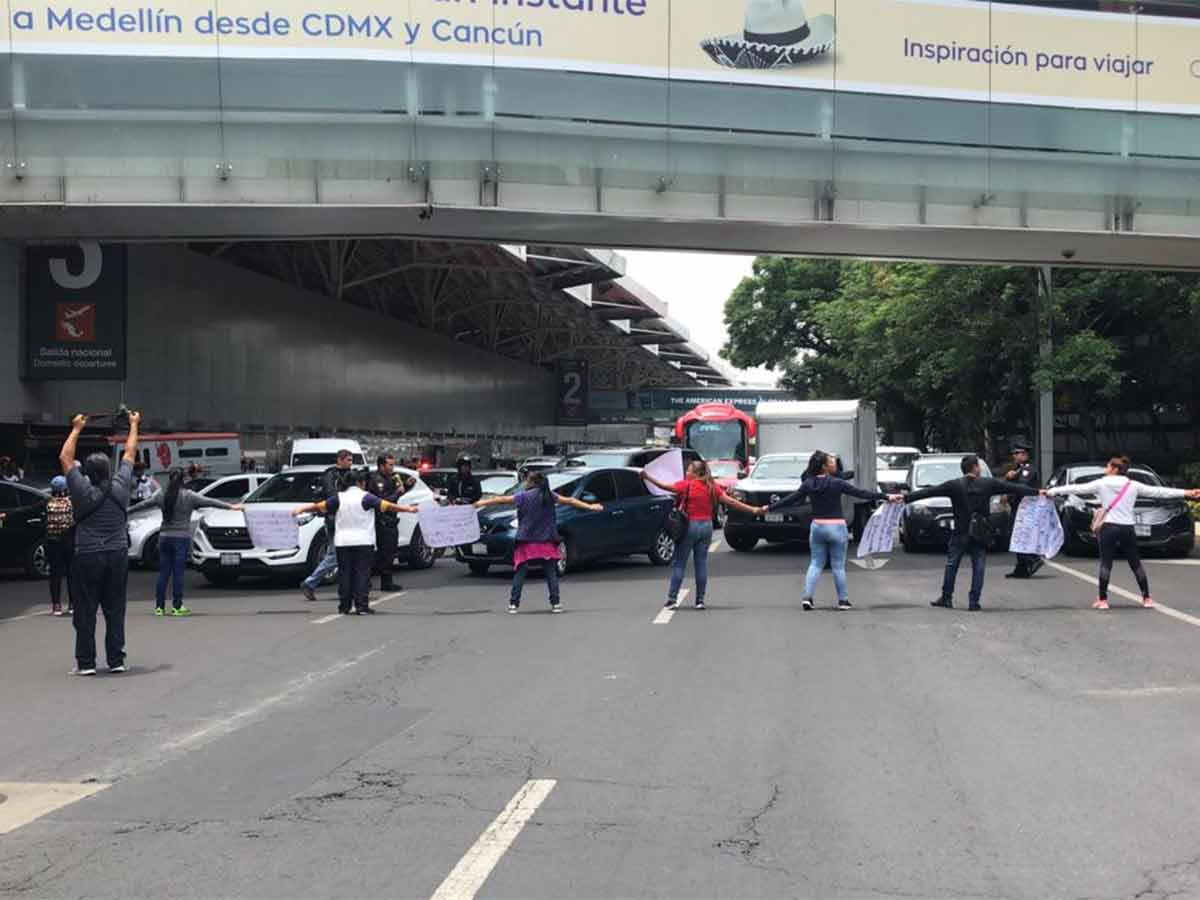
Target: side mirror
[
  {"x": 743, "y": 474},
  {"x": 589, "y": 497},
  {"x": 848, "y": 474}
]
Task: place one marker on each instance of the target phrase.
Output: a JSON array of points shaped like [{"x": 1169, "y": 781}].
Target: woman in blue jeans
[
  {"x": 175, "y": 537},
  {"x": 828, "y": 536},
  {"x": 698, "y": 497}
]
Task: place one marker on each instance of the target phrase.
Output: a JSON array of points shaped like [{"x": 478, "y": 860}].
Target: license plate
[
  {"x": 231, "y": 559},
  {"x": 1141, "y": 530},
  {"x": 774, "y": 517},
  {"x": 479, "y": 549}
]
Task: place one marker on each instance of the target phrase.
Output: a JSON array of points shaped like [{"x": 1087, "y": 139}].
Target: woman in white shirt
[{"x": 1117, "y": 494}]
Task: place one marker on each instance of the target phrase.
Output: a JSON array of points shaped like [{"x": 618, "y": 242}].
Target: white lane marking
[
  {"x": 370, "y": 603},
  {"x": 1173, "y": 562},
  {"x": 1128, "y": 595},
  {"x": 714, "y": 546},
  {"x": 1140, "y": 693},
  {"x": 25, "y": 802},
  {"x": 26, "y": 616},
  {"x": 666, "y": 615},
  {"x": 464, "y": 882},
  {"x": 225, "y": 726}
]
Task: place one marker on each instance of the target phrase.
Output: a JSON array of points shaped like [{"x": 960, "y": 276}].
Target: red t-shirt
[{"x": 694, "y": 498}]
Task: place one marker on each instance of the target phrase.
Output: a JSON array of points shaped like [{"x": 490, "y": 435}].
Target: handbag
[
  {"x": 678, "y": 521},
  {"x": 1101, "y": 514}
]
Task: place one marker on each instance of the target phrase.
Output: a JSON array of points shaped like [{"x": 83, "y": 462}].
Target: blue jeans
[
  {"x": 958, "y": 546},
  {"x": 549, "y": 572},
  {"x": 327, "y": 564},
  {"x": 696, "y": 542},
  {"x": 827, "y": 544},
  {"x": 172, "y": 557}
]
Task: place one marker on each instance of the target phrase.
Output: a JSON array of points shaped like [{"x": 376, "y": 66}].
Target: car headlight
[
  {"x": 305, "y": 518},
  {"x": 740, "y": 496}
]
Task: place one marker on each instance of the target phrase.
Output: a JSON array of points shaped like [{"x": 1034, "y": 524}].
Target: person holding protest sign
[
  {"x": 354, "y": 537},
  {"x": 697, "y": 498},
  {"x": 1114, "y": 521},
  {"x": 175, "y": 537},
  {"x": 1023, "y": 472},
  {"x": 537, "y": 534},
  {"x": 970, "y": 497},
  {"x": 829, "y": 537}
]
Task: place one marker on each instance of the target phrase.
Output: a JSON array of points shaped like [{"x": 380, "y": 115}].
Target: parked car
[
  {"x": 630, "y": 457},
  {"x": 23, "y": 529},
  {"x": 223, "y": 552},
  {"x": 144, "y": 526},
  {"x": 929, "y": 523},
  {"x": 634, "y": 521},
  {"x": 892, "y": 465},
  {"x": 1164, "y": 525},
  {"x": 773, "y": 477}
]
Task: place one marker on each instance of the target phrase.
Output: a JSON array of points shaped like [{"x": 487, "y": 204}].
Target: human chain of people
[{"x": 90, "y": 503}]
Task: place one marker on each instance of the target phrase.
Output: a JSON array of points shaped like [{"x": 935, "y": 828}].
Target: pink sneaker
[
  {"x": 1100, "y": 603},
  {"x": 1147, "y": 603}
]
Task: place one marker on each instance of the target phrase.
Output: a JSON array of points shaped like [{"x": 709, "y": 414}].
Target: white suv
[
  {"x": 223, "y": 552},
  {"x": 144, "y": 526}
]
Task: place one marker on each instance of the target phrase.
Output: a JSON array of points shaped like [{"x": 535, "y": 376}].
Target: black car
[
  {"x": 23, "y": 529},
  {"x": 1164, "y": 525},
  {"x": 622, "y": 457}
]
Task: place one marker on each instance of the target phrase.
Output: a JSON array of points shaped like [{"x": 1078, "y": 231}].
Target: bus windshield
[{"x": 717, "y": 440}]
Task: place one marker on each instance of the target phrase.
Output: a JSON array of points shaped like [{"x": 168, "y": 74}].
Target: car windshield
[
  {"x": 563, "y": 483},
  {"x": 597, "y": 460},
  {"x": 933, "y": 472},
  {"x": 717, "y": 440},
  {"x": 436, "y": 480},
  {"x": 289, "y": 487},
  {"x": 497, "y": 484},
  {"x": 781, "y": 467},
  {"x": 896, "y": 460},
  {"x": 723, "y": 469},
  {"x": 1083, "y": 476}
]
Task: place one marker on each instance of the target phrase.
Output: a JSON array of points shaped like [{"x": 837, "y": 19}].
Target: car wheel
[
  {"x": 720, "y": 517},
  {"x": 1184, "y": 547},
  {"x": 566, "y": 561},
  {"x": 478, "y": 568},
  {"x": 37, "y": 563},
  {"x": 662, "y": 551},
  {"x": 742, "y": 543},
  {"x": 150, "y": 552},
  {"x": 420, "y": 554},
  {"x": 1072, "y": 545},
  {"x": 221, "y": 579}
]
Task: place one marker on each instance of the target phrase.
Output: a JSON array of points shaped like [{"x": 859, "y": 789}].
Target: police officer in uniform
[
  {"x": 386, "y": 484},
  {"x": 1023, "y": 473},
  {"x": 463, "y": 487}
]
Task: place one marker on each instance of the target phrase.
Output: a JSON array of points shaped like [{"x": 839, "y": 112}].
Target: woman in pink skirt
[{"x": 537, "y": 534}]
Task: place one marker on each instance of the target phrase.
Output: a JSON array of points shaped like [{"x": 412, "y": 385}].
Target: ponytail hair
[
  {"x": 1121, "y": 464},
  {"x": 701, "y": 471},
  {"x": 171, "y": 497},
  {"x": 537, "y": 481}
]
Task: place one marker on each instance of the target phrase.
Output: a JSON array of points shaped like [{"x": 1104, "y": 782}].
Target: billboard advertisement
[
  {"x": 954, "y": 49},
  {"x": 75, "y": 312}
]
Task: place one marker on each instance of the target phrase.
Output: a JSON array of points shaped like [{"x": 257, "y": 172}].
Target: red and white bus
[{"x": 719, "y": 432}]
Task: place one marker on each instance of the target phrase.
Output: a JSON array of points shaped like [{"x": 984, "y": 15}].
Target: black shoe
[
  {"x": 390, "y": 586},
  {"x": 345, "y": 611},
  {"x": 974, "y": 607},
  {"x": 944, "y": 604},
  {"x": 1034, "y": 566},
  {"x": 365, "y": 611},
  {"x": 845, "y": 604},
  {"x": 806, "y": 604},
  {"x": 700, "y": 605},
  {"x": 1017, "y": 573},
  {"x": 309, "y": 594}
]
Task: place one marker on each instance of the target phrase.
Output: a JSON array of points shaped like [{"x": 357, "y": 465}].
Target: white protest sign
[
  {"x": 448, "y": 526},
  {"x": 1037, "y": 530},
  {"x": 880, "y": 534},
  {"x": 272, "y": 529},
  {"x": 668, "y": 469}
]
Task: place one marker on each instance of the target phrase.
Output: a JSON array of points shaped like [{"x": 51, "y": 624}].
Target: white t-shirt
[{"x": 1106, "y": 489}]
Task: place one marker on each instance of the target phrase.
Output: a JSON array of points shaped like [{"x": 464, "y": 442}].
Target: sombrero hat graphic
[{"x": 777, "y": 34}]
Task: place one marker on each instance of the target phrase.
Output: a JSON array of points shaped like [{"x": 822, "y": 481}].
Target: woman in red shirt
[{"x": 698, "y": 497}]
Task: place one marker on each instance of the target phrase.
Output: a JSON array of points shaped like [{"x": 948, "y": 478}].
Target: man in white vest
[{"x": 354, "y": 537}]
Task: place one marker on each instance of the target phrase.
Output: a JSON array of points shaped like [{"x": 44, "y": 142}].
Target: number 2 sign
[{"x": 572, "y": 392}]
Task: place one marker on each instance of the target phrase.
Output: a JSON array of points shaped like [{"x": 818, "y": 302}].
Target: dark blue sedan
[{"x": 633, "y": 521}]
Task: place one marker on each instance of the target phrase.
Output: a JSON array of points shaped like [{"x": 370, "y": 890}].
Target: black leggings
[{"x": 1112, "y": 538}]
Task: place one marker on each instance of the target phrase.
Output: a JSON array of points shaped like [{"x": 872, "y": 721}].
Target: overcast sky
[{"x": 696, "y": 285}]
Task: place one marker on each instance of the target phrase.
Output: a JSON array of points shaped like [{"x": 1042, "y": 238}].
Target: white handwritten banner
[
  {"x": 272, "y": 529},
  {"x": 880, "y": 534},
  {"x": 1037, "y": 530},
  {"x": 668, "y": 469},
  {"x": 448, "y": 526}
]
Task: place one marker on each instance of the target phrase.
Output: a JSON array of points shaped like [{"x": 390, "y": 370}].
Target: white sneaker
[
  {"x": 555, "y": 607},
  {"x": 79, "y": 671},
  {"x": 512, "y": 609},
  {"x": 117, "y": 670}
]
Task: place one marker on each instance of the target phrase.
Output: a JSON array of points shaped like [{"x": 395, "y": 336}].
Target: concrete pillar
[{"x": 1045, "y": 439}]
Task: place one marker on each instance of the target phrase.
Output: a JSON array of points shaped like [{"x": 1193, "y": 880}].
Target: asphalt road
[{"x": 263, "y": 748}]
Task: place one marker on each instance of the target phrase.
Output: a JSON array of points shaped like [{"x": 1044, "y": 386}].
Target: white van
[
  {"x": 322, "y": 451},
  {"x": 216, "y": 453}
]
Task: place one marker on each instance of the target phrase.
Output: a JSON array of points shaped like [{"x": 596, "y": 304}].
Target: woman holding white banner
[
  {"x": 175, "y": 537},
  {"x": 698, "y": 497},
  {"x": 354, "y": 537},
  {"x": 537, "y": 534},
  {"x": 1114, "y": 523},
  {"x": 829, "y": 537}
]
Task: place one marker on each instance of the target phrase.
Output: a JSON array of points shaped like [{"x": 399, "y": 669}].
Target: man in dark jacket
[
  {"x": 1023, "y": 472},
  {"x": 463, "y": 487},
  {"x": 970, "y": 496},
  {"x": 386, "y": 484},
  {"x": 331, "y": 485}
]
